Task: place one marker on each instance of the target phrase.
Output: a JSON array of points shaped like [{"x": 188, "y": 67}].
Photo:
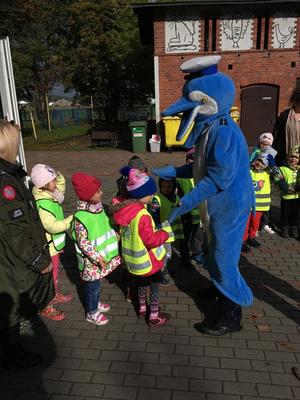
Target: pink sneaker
[
  {"x": 50, "y": 312},
  {"x": 143, "y": 312},
  {"x": 61, "y": 298},
  {"x": 97, "y": 318},
  {"x": 102, "y": 307},
  {"x": 161, "y": 319}
]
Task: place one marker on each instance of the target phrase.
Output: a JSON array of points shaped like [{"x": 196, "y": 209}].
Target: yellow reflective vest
[
  {"x": 262, "y": 189},
  {"x": 100, "y": 234},
  {"x": 134, "y": 252},
  {"x": 165, "y": 208},
  {"x": 292, "y": 178},
  {"x": 58, "y": 239},
  {"x": 187, "y": 184}
]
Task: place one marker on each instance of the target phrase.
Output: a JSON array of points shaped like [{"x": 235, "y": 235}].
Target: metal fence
[{"x": 61, "y": 117}]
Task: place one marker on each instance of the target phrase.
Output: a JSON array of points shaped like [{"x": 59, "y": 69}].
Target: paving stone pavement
[{"x": 128, "y": 360}]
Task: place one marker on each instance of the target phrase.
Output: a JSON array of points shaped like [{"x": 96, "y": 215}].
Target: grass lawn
[{"x": 68, "y": 138}]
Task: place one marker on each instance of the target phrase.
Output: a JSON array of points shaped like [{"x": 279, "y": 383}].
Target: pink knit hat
[
  {"x": 41, "y": 174},
  {"x": 266, "y": 137},
  {"x": 140, "y": 184}
]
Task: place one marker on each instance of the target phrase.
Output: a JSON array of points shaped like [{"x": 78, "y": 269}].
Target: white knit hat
[
  {"x": 41, "y": 174},
  {"x": 266, "y": 137}
]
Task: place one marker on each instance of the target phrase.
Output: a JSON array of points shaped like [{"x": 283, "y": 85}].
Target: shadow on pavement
[
  {"x": 68, "y": 260},
  {"x": 267, "y": 287},
  {"x": 190, "y": 281},
  {"x": 35, "y": 337}
]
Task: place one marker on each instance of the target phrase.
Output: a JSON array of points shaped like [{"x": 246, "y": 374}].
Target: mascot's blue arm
[
  {"x": 170, "y": 172},
  {"x": 185, "y": 171},
  {"x": 221, "y": 162}
]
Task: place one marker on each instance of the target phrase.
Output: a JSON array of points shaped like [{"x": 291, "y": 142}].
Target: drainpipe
[{"x": 156, "y": 91}]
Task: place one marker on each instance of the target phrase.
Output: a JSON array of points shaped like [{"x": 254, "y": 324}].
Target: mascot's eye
[
  {"x": 196, "y": 95},
  {"x": 204, "y": 100}
]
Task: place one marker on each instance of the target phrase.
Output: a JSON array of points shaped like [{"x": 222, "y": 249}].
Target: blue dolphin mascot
[{"x": 223, "y": 187}]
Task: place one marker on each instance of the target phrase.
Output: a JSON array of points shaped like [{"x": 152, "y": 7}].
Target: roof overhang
[{"x": 147, "y": 13}]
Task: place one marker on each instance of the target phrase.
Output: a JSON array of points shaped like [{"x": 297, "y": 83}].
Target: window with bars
[
  {"x": 262, "y": 33},
  {"x": 210, "y": 34}
]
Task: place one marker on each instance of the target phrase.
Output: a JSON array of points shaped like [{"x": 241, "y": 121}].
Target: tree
[
  {"x": 90, "y": 46},
  {"x": 38, "y": 39},
  {"x": 107, "y": 57}
]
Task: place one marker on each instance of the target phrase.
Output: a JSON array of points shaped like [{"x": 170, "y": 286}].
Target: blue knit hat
[{"x": 140, "y": 184}]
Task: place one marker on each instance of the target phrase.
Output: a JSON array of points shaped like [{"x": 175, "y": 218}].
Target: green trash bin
[{"x": 138, "y": 131}]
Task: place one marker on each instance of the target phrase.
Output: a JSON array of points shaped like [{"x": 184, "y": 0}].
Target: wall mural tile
[
  {"x": 284, "y": 32},
  {"x": 181, "y": 33},
  {"x": 236, "y": 34}
]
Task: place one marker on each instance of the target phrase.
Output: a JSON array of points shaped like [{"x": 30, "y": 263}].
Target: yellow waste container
[
  {"x": 171, "y": 125},
  {"x": 235, "y": 114}
]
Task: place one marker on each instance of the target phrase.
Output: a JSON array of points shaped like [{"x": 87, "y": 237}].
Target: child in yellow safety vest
[
  {"x": 96, "y": 244},
  {"x": 142, "y": 244},
  {"x": 137, "y": 163},
  {"x": 262, "y": 188},
  {"x": 191, "y": 223},
  {"x": 290, "y": 195},
  {"x": 133, "y": 162},
  {"x": 160, "y": 209},
  {"x": 48, "y": 191},
  {"x": 264, "y": 147}
]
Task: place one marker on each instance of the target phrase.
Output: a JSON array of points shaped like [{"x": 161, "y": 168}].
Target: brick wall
[{"x": 248, "y": 67}]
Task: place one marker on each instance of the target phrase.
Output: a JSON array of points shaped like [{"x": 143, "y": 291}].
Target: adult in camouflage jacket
[{"x": 26, "y": 286}]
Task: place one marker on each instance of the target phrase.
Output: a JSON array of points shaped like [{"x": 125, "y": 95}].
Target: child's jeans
[{"x": 92, "y": 295}]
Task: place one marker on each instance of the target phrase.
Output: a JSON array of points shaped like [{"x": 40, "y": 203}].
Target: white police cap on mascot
[
  {"x": 206, "y": 65},
  {"x": 206, "y": 93}
]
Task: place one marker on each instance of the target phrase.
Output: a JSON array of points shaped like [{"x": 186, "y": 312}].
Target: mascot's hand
[
  {"x": 185, "y": 205},
  {"x": 174, "y": 214},
  {"x": 167, "y": 172}
]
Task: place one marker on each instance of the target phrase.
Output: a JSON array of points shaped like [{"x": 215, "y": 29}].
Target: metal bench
[{"x": 98, "y": 138}]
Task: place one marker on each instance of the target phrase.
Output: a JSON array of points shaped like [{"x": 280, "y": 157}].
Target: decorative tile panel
[
  {"x": 284, "y": 32},
  {"x": 236, "y": 34},
  {"x": 181, "y": 33}
]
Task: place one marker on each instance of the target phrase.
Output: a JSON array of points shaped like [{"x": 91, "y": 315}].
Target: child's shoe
[
  {"x": 160, "y": 319},
  {"x": 102, "y": 307},
  {"x": 268, "y": 229},
  {"x": 96, "y": 318},
  {"x": 253, "y": 242},
  {"x": 50, "y": 312},
  {"x": 143, "y": 312},
  {"x": 60, "y": 298}
]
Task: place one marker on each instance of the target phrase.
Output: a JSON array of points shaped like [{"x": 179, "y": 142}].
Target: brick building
[{"x": 259, "y": 42}]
